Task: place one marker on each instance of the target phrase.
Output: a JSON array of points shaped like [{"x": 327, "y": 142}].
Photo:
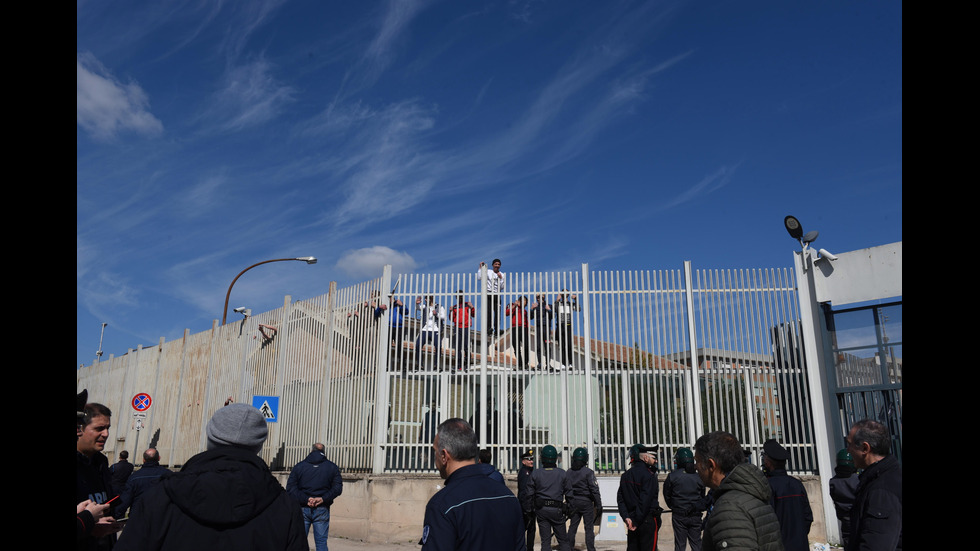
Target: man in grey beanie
[{"x": 223, "y": 498}]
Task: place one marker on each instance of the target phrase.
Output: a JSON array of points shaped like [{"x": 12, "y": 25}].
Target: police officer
[
  {"x": 843, "y": 489},
  {"x": 582, "y": 496},
  {"x": 545, "y": 495},
  {"x": 637, "y": 499},
  {"x": 527, "y": 466},
  {"x": 788, "y": 499},
  {"x": 684, "y": 495}
]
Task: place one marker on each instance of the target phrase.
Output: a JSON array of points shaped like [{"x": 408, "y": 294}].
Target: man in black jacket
[
  {"x": 876, "y": 517},
  {"x": 93, "y": 481},
  {"x": 637, "y": 500},
  {"x": 223, "y": 498},
  {"x": 314, "y": 483},
  {"x": 121, "y": 471},
  {"x": 148, "y": 475}
]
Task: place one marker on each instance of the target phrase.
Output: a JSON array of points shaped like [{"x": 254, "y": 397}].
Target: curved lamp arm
[{"x": 307, "y": 259}]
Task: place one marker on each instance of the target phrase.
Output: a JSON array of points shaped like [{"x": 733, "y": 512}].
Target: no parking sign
[{"x": 142, "y": 401}]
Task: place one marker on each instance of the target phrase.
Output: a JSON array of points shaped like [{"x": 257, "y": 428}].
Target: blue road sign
[
  {"x": 142, "y": 401},
  {"x": 268, "y": 406}
]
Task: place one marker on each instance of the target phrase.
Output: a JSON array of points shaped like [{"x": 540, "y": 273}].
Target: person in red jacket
[
  {"x": 517, "y": 311},
  {"x": 462, "y": 314}
]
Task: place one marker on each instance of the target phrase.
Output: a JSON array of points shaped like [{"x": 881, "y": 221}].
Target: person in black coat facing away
[
  {"x": 148, "y": 475},
  {"x": 224, "y": 498}
]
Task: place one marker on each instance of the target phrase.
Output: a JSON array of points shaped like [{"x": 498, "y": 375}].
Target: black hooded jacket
[{"x": 222, "y": 499}]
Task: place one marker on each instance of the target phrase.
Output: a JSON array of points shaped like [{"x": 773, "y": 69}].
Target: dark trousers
[
  {"x": 542, "y": 347},
  {"x": 424, "y": 338},
  {"x": 686, "y": 528},
  {"x": 644, "y": 538},
  {"x": 563, "y": 336},
  {"x": 397, "y": 355},
  {"x": 519, "y": 340},
  {"x": 493, "y": 315},
  {"x": 582, "y": 509},
  {"x": 461, "y": 343},
  {"x": 530, "y": 523},
  {"x": 551, "y": 520}
]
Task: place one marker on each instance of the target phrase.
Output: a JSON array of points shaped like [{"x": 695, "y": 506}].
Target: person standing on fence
[
  {"x": 789, "y": 498},
  {"x": 519, "y": 330},
  {"x": 472, "y": 512},
  {"x": 546, "y": 496},
  {"x": 684, "y": 496},
  {"x": 876, "y": 518},
  {"x": 541, "y": 314},
  {"x": 740, "y": 516},
  {"x": 222, "y": 498},
  {"x": 843, "y": 489},
  {"x": 432, "y": 316},
  {"x": 315, "y": 483},
  {"x": 396, "y": 331},
  {"x": 564, "y": 307},
  {"x": 495, "y": 286},
  {"x": 462, "y": 314},
  {"x": 582, "y": 495},
  {"x": 637, "y": 500}
]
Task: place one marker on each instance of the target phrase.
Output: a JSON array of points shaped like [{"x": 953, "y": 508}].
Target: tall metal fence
[{"x": 595, "y": 359}]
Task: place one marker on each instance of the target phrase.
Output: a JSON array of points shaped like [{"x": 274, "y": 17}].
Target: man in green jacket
[{"x": 741, "y": 517}]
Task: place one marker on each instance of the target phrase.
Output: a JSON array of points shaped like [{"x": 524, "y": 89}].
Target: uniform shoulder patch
[{"x": 425, "y": 535}]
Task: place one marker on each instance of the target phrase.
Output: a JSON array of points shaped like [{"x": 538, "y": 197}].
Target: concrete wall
[{"x": 391, "y": 508}]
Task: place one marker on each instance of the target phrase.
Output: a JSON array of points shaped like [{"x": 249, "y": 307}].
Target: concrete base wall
[{"x": 390, "y": 508}]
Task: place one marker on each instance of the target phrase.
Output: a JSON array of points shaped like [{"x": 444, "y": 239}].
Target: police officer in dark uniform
[
  {"x": 789, "y": 498},
  {"x": 546, "y": 495},
  {"x": 637, "y": 500},
  {"x": 684, "y": 495},
  {"x": 582, "y": 496},
  {"x": 530, "y": 522},
  {"x": 843, "y": 489}
]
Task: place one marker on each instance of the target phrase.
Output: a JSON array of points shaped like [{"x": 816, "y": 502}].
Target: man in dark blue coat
[
  {"x": 788, "y": 499},
  {"x": 472, "y": 512},
  {"x": 314, "y": 483},
  {"x": 148, "y": 475}
]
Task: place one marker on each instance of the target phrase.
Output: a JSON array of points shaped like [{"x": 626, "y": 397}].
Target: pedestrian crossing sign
[{"x": 268, "y": 406}]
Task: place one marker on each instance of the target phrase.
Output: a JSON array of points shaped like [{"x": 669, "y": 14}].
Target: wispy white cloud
[
  {"x": 104, "y": 106},
  {"x": 710, "y": 183},
  {"x": 250, "y": 95},
  {"x": 369, "y": 262}
]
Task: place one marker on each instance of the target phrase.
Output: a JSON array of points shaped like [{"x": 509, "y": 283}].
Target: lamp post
[{"x": 307, "y": 259}]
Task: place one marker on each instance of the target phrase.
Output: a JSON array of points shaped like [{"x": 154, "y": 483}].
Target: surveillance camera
[
  {"x": 824, "y": 253},
  {"x": 240, "y": 309}
]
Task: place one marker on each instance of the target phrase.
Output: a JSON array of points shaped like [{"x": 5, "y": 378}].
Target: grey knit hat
[{"x": 238, "y": 425}]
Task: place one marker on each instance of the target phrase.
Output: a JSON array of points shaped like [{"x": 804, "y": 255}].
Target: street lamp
[{"x": 307, "y": 259}]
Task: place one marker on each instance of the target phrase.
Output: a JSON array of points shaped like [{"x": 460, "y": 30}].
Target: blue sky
[{"x": 435, "y": 134}]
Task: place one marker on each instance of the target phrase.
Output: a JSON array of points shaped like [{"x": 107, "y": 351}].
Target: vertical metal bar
[
  {"x": 695, "y": 423},
  {"x": 381, "y": 384},
  {"x": 587, "y": 335}
]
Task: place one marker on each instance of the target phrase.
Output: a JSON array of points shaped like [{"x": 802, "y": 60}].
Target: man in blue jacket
[
  {"x": 148, "y": 475},
  {"x": 315, "y": 482},
  {"x": 471, "y": 512}
]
